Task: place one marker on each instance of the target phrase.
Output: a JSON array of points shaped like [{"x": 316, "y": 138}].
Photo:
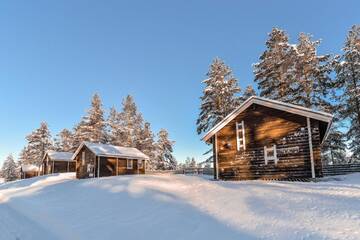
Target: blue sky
[{"x": 54, "y": 55}]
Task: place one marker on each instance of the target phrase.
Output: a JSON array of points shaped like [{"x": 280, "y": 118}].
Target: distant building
[
  {"x": 101, "y": 160},
  {"x": 57, "y": 162},
  {"x": 28, "y": 171}
]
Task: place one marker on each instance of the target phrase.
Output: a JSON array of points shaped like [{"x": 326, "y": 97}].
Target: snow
[
  {"x": 29, "y": 168},
  {"x": 63, "y": 156},
  {"x": 114, "y": 151},
  {"x": 178, "y": 207}
]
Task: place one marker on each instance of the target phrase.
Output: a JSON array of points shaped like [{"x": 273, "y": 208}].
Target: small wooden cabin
[
  {"x": 57, "y": 162},
  {"x": 102, "y": 160},
  {"x": 267, "y": 139},
  {"x": 28, "y": 171}
]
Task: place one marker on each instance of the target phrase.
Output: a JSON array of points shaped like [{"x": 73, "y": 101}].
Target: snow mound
[{"x": 178, "y": 207}]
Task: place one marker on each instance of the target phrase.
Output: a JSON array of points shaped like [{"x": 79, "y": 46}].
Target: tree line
[
  {"x": 125, "y": 128},
  {"x": 295, "y": 73}
]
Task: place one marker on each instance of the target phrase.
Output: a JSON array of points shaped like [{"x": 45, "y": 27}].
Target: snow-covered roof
[
  {"x": 59, "y": 156},
  {"x": 29, "y": 168},
  {"x": 287, "y": 107},
  {"x": 108, "y": 150}
]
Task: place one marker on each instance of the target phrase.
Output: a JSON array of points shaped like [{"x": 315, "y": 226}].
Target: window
[
  {"x": 140, "y": 164},
  {"x": 240, "y": 136},
  {"x": 83, "y": 158},
  {"x": 270, "y": 154},
  {"x": 129, "y": 164}
]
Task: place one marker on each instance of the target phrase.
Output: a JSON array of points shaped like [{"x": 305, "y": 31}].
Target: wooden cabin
[
  {"x": 267, "y": 139},
  {"x": 102, "y": 160},
  {"x": 28, "y": 171},
  {"x": 57, "y": 162}
]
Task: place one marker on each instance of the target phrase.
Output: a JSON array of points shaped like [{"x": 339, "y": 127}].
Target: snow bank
[{"x": 178, "y": 207}]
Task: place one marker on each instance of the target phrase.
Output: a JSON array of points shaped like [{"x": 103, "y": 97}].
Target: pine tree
[
  {"x": 115, "y": 130},
  {"x": 249, "y": 91},
  {"x": 348, "y": 77},
  {"x": 164, "y": 158},
  {"x": 65, "y": 141},
  {"x": 39, "y": 141},
  {"x": 9, "y": 169},
  {"x": 131, "y": 122},
  {"x": 313, "y": 83},
  {"x": 146, "y": 144},
  {"x": 274, "y": 73},
  {"x": 92, "y": 126},
  {"x": 219, "y": 96}
]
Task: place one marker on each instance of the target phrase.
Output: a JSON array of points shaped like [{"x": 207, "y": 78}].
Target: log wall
[{"x": 264, "y": 127}]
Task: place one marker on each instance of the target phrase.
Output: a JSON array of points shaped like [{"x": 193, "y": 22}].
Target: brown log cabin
[
  {"x": 57, "y": 162},
  {"x": 28, "y": 171},
  {"x": 102, "y": 160},
  {"x": 268, "y": 139}
]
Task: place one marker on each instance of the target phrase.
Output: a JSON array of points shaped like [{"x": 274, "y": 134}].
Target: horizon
[{"x": 57, "y": 55}]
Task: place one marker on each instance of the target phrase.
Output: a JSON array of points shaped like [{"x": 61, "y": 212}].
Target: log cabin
[
  {"x": 57, "y": 162},
  {"x": 102, "y": 160},
  {"x": 268, "y": 139},
  {"x": 28, "y": 171}
]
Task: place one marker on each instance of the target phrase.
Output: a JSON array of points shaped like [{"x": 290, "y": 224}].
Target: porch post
[
  {"x": 53, "y": 164},
  {"x": 216, "y": 158},
  {"x": 117, "y": 166},
  {"x": 68, "y": 166},
  {"x": 98, "y": 167},
  {"x": 311, "y": 148}
]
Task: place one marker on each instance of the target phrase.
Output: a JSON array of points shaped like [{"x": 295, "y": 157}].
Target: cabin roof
[
  {"x": 59, "y": 156},
  {"x": 108, "y": 150},
  {"x": 29, "y": 168},
  {"x": 287, "y": 107}
]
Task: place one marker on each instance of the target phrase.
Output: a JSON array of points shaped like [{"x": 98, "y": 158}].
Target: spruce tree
[
  {"x": 146, "y": 144},
  {"x": 9, "y": 169},
  {"x": 274, "y": 73},
  {"x": 219, "y": 96},
  {"x": 131, "y": 122},
  {"x": 92, "y": 126},
  {"x": 164, "y": 158},
  {"x": 39, "y": 141},
  {"x": 115, "y": 129},
  {"x": 312, "y": 71},
  {"x": 249, "y": 91},
  {"x": 65, "y": 141},
  {"x": 348, "y": 78}
]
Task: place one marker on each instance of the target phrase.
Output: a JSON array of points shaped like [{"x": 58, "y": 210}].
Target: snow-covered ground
[{"x": 178, "y": 207}]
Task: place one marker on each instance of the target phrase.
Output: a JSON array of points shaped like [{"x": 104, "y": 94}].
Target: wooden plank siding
[
  {"x": 264, "y": 127},
  {"x": 107, "y": 165}
]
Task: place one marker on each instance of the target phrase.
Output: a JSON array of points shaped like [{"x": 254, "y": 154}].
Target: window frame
[
  {"x": 128, "y": 165},
  {"x": 269, "y": 158}
]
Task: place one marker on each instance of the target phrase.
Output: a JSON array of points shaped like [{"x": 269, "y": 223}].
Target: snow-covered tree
[
  {"x": 312, "y": 71},
  {"x": 164, "y": 158},
  {"x": 348, "y": 77},
  {"x": 9, "y": 169},
  {"x": 131, "y": 122},
  {"x": 146, "y": 144},
  {"x": 92, "y": 126},
  {"x": 334, "y": 148},
  {"x": 219, "y": 96},
  {"x": 39, "y": 141},
  {"x": 65, "y": 141},
  {"x": 274, "y": 73},
  {"x": 115, "y": 129},
  {"x": 249, "y": 91}
]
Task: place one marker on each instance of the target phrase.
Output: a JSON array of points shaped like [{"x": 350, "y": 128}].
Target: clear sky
[{"x": 54, "y": 55}]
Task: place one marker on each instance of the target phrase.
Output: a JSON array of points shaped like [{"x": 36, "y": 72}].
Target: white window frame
[
  {"x": 274, "y": 157},
  {"x": 83, "y": 158},
  {"x": 240, "y": 142},
  {"x": 140, "y": 164},
  {"x": 129, "y": 164}
]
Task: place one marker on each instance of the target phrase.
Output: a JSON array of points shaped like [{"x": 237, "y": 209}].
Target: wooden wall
[
  {"x": 82, "y": 169},
  {"x": 264, "y": 127}
]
